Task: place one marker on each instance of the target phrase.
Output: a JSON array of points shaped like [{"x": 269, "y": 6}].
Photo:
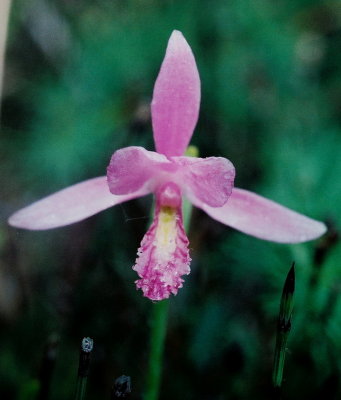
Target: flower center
[{"x": 168, "y": 195}]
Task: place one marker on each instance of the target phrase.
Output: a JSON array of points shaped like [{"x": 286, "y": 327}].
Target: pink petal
[
  {"x": 70, "y": 205},
  {"x": 265, "y": 219},
  {"x": 209, "y": 180},
  {"x": 132, "y": 168},
  {"x": 163, "y": 256},
  {"x": 176, "y": 98}
]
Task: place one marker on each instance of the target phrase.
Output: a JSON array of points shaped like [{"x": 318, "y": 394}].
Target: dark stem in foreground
[
  {"x": 83, "y": 367},
  {"x": 283, "y": 330}
]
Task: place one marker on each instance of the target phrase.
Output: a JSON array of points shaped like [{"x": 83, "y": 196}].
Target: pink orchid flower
[{"x": 163, "y": 257}]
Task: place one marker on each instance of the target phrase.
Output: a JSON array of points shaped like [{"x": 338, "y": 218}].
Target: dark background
[{"x": 78, "y": 82}]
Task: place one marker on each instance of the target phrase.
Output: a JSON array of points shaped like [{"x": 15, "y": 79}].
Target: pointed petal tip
[
  {"x": 177, "y": 40},
  {"x": 28, "y": 218},
  {"x": 321, "y": 229},
  {"x": 176, "y": 34},
  {"x": 178, "y": 47},
  {"x": 16, "y": 221},
  {"x": 313, "y": 231}
]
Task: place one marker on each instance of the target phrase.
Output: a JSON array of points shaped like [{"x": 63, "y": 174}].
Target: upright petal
[
  {"x": 176, "y": 98},
  {"x": 163, "y": 256},
  {"x": 208, "y": 180},
  {"x": 132, "y": 168},
  {"x": 70, "y": 205},
  {"x": 264, "y": 219}
]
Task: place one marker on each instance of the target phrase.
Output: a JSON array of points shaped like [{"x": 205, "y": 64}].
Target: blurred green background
[{"x": 78, "y": 83}]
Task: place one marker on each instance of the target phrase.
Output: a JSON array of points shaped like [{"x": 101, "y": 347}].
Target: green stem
[
  {"x": 81, "y": 388},
  {"x": 158, "y": 334}
]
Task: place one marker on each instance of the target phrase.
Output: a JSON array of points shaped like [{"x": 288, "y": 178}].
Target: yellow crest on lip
[{"x": 166, "y": 232}]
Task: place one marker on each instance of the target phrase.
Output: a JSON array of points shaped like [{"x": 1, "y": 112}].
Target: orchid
[{"x": 163, "y": 257}]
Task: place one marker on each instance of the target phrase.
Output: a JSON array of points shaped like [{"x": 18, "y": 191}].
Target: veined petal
[
  {"x": 264, "y": 219},
  {"x": 176, "y": 98},
  {"x": 163, "y": 256},
  {"x": 132, "y": 168},
  {"x": 70, "y": 205},
  {"x": 208, "y": 180}
]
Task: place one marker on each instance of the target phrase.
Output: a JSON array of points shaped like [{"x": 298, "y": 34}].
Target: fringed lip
[{"x": 163, "y": 257}]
